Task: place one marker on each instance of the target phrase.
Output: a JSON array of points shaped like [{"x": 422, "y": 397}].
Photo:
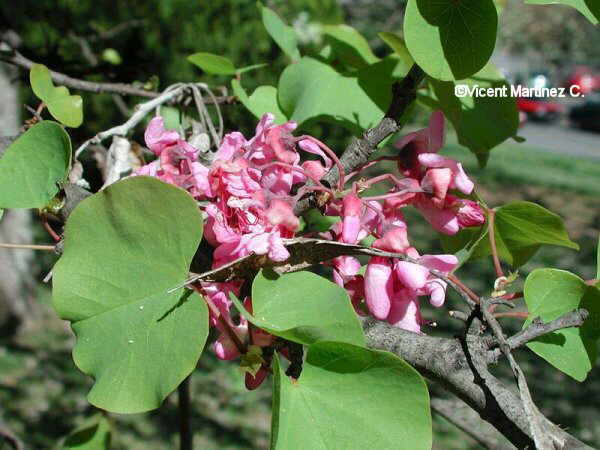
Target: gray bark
[{"x": 15, "y": 226}]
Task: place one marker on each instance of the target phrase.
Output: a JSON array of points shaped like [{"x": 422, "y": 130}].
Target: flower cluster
[{"x": 248, "y": 196}]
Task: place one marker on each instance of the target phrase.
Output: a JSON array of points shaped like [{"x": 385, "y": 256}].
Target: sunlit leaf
[
  {"x": 350, "y": 398},
  {"x": 124, "y": 248},
  {"x": 66, "y": 108},
  {"x": 551, "y": 293},
  {"x": 451, "y": 40},
  {"x": 303, "y": 307}
]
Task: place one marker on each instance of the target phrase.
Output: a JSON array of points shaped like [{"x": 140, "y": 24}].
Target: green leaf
[
  {"x": 32, "y": 166},
  {"x": 125, "y": 247},
  {"x": 349, "y": 45},
  {"x": 589, "y": 8},
  {"x": 463, "y": 243},
  {"x": 520, "y": 228},
  {"x": 315, "y": 221},
  {"x": 397, "y": 44},
  {"x": 67, "y": 109},
  {"x": 451, "y": 40},
  {"x": 213, "y": 64},
  {"x": 551, "y": 293},
  {"x": 112, "y": 56},
  {"x": 481, "y": 123},
  {"x": 283, "y": 35},
  {"x": 350, "y": 398},
  {"x": 93, "y": 434},
  {"x": 311, "y": 89},
  {"x": 263, "y": 100},
  {"x": 302, "y": 307},
  {"x": 376, "y": 80}
]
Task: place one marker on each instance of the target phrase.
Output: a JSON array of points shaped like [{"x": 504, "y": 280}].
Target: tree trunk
[{"x": 16, "y": 282}]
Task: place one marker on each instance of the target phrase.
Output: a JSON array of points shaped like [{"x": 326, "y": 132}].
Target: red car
[
  {"x": 585, "y": 78},
  {"x": 540, "y": 108}
]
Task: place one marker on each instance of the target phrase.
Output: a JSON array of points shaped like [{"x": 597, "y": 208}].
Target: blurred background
[{"x": 42, "y": 394}]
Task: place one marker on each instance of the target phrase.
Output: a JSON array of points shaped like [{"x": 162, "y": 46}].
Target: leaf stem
[{"x": 492, "y": 236}]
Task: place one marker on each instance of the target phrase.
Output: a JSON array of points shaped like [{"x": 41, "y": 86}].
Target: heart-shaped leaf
[
  {"x": 125, "y": 247},
  {"x": 33, "y": 165},
  {"x": 263, "y": 100},
  {"x": 551, "y": 293},
  {"x": 481, "y": 123},
  {"x": 311, "y": 89},
  {"x": 302, "y": 307},
  {"x": 351, "y": 398},
  {"x": 451, "y": 40},
  {"x": 67, "y": 109}
]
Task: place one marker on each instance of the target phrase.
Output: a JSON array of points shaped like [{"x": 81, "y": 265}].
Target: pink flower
[
  {"x": 427, "y": 140},
  {"x": 392, "y": 288},
  {"x": 351, "y": 211},
  {"x": 458, "y": 178},
  {"x": 451, "y": 215},
  {"x": 177, "y": 160}
]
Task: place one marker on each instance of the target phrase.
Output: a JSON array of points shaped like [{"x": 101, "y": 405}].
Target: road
[{"x": 562, "y": 139}]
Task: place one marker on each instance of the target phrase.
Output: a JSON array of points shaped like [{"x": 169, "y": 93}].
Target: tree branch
[
  {"x": 13, "y": 57},
  {"x": 459, "y": 414},
  {"x": 359, "y": 151},
  {"x": 460, "y": 365},
  {"x": 539, "y": 328}
]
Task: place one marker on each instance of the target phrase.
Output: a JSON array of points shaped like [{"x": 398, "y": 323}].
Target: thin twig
[
  {"x": 538, "y": 328},
  {"x": 49, "y": 248},
  {"x": 515, "y": 314},
  {"x": 141, "y": 111}
]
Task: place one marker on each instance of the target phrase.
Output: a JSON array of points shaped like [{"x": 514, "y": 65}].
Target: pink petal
[
  {"x": 281, "y": 213},
  {"x": 309, "y": 146},
  {"x": 314, "y": 168},
  {"x": 394, "y": 240},
  {"x": 405, "y": 311},
  {"x": 231, "y": 144},
  {"x": 157, "y": 138},
  {"x": 442, "y": 220},
  {"x": 437, "y": 182},
  {"x": 379, "y": 287},
  {"x": 411, "y": 275},
  {"x": 443, "y": 263},
  {"x": 437, "y": 290},
  {"x": 436, "y": 131}
]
